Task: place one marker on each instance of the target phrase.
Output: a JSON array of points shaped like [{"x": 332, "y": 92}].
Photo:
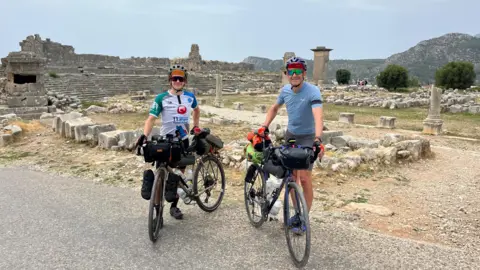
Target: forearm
[
  {"x": 196, "y": 117},
  {"x": 272, "y": 112},
  {"x": 147, "y": 129},
  {"x": 318, "y": 116}
]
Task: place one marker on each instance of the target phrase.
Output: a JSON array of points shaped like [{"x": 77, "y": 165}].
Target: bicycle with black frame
[
  {"x": 167, "y": 153},
  {"x": 280, "y": 161}
]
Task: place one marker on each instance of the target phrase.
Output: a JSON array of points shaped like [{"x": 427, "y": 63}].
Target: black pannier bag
[
  {"x": 271, "y": 163},
  {"x": 274, "y": 168},
  {"x": 200, "y": 145},
  {"x": 295, "y": 158},
  {"x": 214, "y": 140}
]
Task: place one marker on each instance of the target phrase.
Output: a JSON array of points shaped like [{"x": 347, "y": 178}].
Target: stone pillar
[
  {"x": 286, "y": 56},
  {"x": 321, "y": 56},
  {"x": 218, "y": 97},
  {"x": 433, "y": 123}
]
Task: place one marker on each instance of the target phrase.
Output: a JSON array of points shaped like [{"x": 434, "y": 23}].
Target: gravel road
[{"x": 53, "y": 222}]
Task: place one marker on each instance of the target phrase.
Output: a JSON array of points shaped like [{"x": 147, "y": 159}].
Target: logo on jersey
[
  {"x": 190, "y": 100},
  {"x": 182, "y": 109}
]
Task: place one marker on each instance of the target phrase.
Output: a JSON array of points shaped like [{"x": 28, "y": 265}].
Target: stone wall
[
  {"x": 59, "y": 55},
  {"x": 64, "y": 55}
]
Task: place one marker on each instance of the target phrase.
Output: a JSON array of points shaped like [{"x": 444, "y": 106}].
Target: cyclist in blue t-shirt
[{"x": 305, "y": 116}]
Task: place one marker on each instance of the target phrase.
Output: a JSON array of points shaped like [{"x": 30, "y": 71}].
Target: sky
[{"x": 231, "y": 30}]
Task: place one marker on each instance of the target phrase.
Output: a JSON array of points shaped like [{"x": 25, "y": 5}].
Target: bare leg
[{"x": 304, "y": 178}]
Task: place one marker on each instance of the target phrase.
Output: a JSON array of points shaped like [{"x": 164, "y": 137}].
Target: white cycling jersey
[{"x": 175, "y": 111}]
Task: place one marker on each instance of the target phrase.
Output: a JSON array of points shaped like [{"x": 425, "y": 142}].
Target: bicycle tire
[
  {"x": 303, "y": 204},
  {"x": 157, "y": 189},
  {"x": 246, "y": 193},
  {"x": 195, "y": 183}
]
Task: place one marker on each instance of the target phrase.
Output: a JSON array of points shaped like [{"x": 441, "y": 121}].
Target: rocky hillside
[{"x": 422, "y": 60}]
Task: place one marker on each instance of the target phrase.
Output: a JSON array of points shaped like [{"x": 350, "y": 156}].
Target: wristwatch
[{"x": 318, "y": 138}]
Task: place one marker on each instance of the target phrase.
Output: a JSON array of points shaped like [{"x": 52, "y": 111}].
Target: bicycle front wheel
[
  {"x": 255, "y": 196},
  {"x": 297, "y": 224},
  {"x": 155, "y": 213},
  {"x": 208, "y": 175}
]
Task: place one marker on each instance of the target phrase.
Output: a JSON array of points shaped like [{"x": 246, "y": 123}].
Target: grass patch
[
  {"x": 11, "y": 156},
  {"x": 461, "y": 124},
  {"x": 458, "y": 124},
  {"x": 28, "y": 126},
  {"x": 53, "y": 74}
]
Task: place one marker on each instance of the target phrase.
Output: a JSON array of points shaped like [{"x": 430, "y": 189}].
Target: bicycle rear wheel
[
  {"x": 211, "y": 177},
  {"x": 155, "y": 213},
  {"x": 297, "y": 225},
  {"x": 255, "y": 194}
]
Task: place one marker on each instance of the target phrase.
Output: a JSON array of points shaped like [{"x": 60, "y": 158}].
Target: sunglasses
[
  {"x": 290, "y": 72},
  {"x": 180, "y": 79}
]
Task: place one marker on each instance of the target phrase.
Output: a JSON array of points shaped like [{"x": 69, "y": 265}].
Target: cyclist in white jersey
[{"x": 175, "y": 107}]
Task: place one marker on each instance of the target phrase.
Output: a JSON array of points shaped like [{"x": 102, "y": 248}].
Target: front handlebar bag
[
  {"x": 162, "y": 152},
  {"x": 295, "y": 158}
]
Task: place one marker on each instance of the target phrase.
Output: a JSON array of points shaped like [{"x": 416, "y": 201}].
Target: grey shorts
[{"x": 304, "y": 139}]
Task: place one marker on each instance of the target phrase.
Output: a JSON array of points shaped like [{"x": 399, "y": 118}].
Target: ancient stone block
[
  {"x": 432, "y": 126},
  {"x": 386, "y": 122},
  {"x": 128, "y": 139},
  {"x": 346, "y": 118},
  {"x": 238, "y": 106},
  {"x": 59, "y": 122},
  {"x": 14, "y": 130},
  {"x": 95, "y": 130},
  {"x": 71, "y": 124},
  {"x": 108, "y": 139},
  {"x": 328, "y": 135}
]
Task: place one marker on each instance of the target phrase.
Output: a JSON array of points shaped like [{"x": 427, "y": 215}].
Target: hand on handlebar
[
  {"x": 141, "y": 140},
  {"x": 195, "y": 130},
  {"x": 319, "y": 150}
]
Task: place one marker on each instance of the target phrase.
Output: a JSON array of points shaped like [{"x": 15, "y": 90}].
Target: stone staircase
[{"x": 95, "y": 87}]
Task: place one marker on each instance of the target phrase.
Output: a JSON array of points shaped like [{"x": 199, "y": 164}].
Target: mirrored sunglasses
[{"x": 290, "y": 72}]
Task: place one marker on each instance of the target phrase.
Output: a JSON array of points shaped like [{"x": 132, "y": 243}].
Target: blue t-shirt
[{"x": 299, "y": 107}]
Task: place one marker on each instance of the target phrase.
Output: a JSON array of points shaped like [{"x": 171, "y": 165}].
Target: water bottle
[
  {"x": 274, "y": 183},
  {"x": 189, "y": 178},
  {"x": 181, "y": 193},
  {"x": 276, "y": 207}
]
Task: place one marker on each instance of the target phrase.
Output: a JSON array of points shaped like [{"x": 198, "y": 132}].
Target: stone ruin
[
  {"x": 452, "y": 101},
  {"x": 72, "y": 77},
  {"x": 24, "y": 91}
]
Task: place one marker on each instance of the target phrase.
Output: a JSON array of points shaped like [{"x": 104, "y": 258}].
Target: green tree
[
  {"x": 413, "y": 82},
  {"x": 460, "y": 75},
  {"x": 393, "y": 77},
  {"x": 343, "y": 76}
]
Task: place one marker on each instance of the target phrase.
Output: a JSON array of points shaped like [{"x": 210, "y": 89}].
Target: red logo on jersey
[{"x": 182, "y": 109}]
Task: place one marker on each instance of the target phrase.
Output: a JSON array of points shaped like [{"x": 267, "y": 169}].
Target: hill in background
[{"x": 421, "y": 60}]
